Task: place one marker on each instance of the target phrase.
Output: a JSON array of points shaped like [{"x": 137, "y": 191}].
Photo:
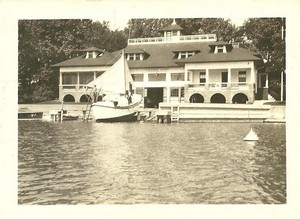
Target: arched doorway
[
  {"x": 69, "y": 98},
  {"x": 239, "y": 98},
  {"x": 196, "y": 98},
  {"x": 218, "y": 98},
  {"x": 85, "y": 98}
]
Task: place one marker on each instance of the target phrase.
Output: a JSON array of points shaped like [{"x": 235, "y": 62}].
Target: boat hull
[
  {"x": 31, "y": 115},
  {"x": 105, "y": 113},
  {"x": 126, "y": 118}
]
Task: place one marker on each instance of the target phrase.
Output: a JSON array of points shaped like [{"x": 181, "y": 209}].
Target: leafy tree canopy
[{"x": 46, "y": 42}]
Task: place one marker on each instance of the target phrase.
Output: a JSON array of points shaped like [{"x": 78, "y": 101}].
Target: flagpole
[{"x": 281, "y": 76}]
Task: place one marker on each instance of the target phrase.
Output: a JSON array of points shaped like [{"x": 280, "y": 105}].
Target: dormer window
[
  {"x": 185, "y": 54},
  {"x": 135, "y": 56},
  {"x": 220, "y": 49},
  {"x": 90, "y": 55}
]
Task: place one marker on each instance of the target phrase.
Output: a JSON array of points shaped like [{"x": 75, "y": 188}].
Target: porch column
[
  {"x": 229, "y": 76},
  {"x": 60, "y": 78},
  {"x": 185, "y": 74},
  {"x": 168, "y": 94},
  {"x": 256, "y": 83},
  {"x": 207, "y": 75},
  {"x": 267, "y": 81},
  {"x": 252, "y": 75},
  {"x": 179, "y": 94}
]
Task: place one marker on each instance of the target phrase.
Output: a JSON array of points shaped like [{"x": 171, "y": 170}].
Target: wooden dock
[{"x": 187, "y": 112}]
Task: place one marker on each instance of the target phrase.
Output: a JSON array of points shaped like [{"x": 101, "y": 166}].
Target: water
[{"x": 102, "y": 163}]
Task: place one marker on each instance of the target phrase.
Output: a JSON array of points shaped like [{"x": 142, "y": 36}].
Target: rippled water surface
[{"x": 94, "y": 163}]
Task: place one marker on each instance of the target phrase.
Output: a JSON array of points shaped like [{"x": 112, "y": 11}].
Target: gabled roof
[
  {"x": 236, "y": 54},
  {"x": 92, "y": 49},
  {"x": 107, "y": 59},
  {"x": 171, "y": 27},
  {"x": 163, "y": 55},
  {"x": 129, "y": 50}
]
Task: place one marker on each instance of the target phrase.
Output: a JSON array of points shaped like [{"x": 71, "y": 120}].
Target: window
[
  {"x": 137, "y": 77},
  {"x": 157, "y": 77},
  {"x": 86, "y": 77},
  {"x": 90, "y": 55},
  {"x": 69, "y": 78},
  {"x": 202, "y": 77},
  {"x": 135, "y": 56},
  {"x": 220, "y": 49},
  {"x": 177, "y": 77},
  {"x": 130, "y": 57},
  {"x": 242, "y": 76},
  {"x": 183, "y": 55},
  {"x": 224, "y": 77},
  {"x": 174, "y": 92}
]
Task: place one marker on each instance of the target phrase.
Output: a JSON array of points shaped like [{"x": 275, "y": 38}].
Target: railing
[
  {"x": 220, "y": 86},
  {"x": 75, "y": 87},
  {"x": 174, "y": 39}
]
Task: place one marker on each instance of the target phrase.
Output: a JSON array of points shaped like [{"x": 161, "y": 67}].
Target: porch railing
[
  {"x": 220, "y": 86},
  {"x": 74, "y": 87}
]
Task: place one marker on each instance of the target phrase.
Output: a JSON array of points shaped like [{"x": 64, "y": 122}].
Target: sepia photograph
[
  {"x": 182, "y": 111},
  {"x": 152, "y": 115}
]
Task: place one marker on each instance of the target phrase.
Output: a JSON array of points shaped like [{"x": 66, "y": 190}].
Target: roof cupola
[{"x": 172, "y": 30}]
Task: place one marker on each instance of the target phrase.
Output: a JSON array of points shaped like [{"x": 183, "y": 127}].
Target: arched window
[
  {"x": 69, "y": 98},
  {"x": 218, "y": 98},
  {"x": 85, "y": 98},
  {"x": 239, "y": 98},
  {"x": 196, "y": 98}
]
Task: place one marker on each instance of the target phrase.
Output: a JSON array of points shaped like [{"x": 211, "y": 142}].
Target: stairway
[
  {"x": 271, "y": 98},
  {"x": 175, "y": 113}
]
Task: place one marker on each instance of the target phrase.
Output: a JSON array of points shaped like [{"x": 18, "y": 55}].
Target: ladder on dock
[
  {"x": 175, "y": 113},
  {"x": 87, "y": 112}
]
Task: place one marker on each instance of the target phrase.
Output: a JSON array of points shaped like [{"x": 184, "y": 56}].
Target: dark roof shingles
[{"x": 162, "y": 55}]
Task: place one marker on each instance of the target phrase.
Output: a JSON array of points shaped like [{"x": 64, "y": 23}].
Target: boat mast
[{"x": 123, "y": 57}]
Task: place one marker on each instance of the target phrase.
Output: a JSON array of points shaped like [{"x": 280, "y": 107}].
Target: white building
[{"x": 173, "y": 68}]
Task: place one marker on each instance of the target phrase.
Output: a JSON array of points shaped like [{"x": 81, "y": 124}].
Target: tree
[
  {"x": 224, "y": 30},
  {"x": 143, "y": 28},
  {"x": 102, "y": 37},
  {"x": 43, "y": 43},
  {"x": 267, "y": 36},
  {"x": 138, "y": 28}
]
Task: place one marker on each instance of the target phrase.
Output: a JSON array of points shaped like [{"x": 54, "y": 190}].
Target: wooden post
[{"x": 61, "y": 111}]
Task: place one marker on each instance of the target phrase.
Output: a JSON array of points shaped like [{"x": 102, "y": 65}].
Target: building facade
[{"x": 173, "y": 68}]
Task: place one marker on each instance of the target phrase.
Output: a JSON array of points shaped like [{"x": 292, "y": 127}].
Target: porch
[{"x": 232, "y": 92}]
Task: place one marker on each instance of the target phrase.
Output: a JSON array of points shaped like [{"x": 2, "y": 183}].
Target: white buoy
[{"x": 252, "y": 136}]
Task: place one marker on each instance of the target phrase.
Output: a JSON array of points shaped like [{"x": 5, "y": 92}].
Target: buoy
[{"x": 252, "y": 136}]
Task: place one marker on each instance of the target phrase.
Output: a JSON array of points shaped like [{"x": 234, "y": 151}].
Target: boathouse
[{"x": 173, "y": 68}]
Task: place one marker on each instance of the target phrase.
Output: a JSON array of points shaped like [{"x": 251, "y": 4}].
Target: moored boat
[
  {"x": 30, "y": 115},
  {"x": 119, "y": 103}
]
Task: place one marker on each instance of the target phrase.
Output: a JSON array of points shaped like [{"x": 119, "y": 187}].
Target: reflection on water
[{"x": 95, "y": 163}]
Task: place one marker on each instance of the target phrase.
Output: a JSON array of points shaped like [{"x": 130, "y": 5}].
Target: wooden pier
[{"x": 187, "y": 112}]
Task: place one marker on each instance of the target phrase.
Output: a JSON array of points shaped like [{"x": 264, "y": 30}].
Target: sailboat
[{"x": 119, "y": 104}]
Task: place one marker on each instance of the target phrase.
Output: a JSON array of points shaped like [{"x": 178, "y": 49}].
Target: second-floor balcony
[{"x": 174, "y": 39}]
